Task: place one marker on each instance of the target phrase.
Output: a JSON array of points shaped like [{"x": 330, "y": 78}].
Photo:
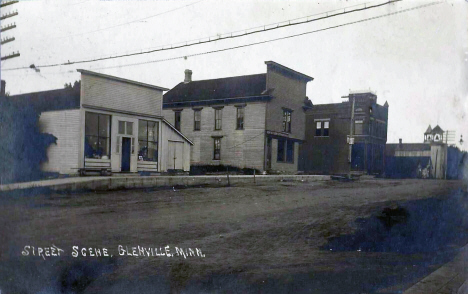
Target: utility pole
[
  {"x": 8, "y": 27},
  {"x": 350, "y": 139}
]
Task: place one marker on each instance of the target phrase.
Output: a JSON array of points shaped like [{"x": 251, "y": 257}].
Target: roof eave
[
  {"x": 92, "y": 73},
  {"x": 292, "y": 71}
]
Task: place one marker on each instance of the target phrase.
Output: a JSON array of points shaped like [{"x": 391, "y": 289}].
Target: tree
[{"x": 23, "y": 147}]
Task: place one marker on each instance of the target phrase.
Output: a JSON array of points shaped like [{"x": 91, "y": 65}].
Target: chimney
[
  {"x": 401, "y": 141},
  {"x": 188, "y": 76},
  {"x": 2, "y": 90}
]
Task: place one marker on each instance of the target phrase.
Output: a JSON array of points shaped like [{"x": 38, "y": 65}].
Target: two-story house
[
  {"x": 108, "y": 124},
  {"x": 253, "y": 121}
]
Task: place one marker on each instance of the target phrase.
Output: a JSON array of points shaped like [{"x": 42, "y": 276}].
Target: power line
[
  {"x": 231, "y": 36},
  {"x": 251, "y": 30},
  {"x": 126, "y": 23},
  {"x": 272, "y": 40}
]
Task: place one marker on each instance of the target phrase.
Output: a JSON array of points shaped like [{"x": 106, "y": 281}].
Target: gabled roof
[
  {"x": 177, "y": 131},
  {"x": 437, "y": 130},
  {"x": 51, "y": 100},
  {"x": 232, "y": 87},
  {"x": 429, "y": 130},
  {"x": 96, "y": 74}
]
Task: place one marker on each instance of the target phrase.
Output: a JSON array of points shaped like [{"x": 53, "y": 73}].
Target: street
[{"x": 371, "y": 236}]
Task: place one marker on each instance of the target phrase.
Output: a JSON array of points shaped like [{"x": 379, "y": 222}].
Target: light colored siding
[
  {"x": 289, "y": 93},
  {"x": 65, "y": 125},
  {"x": 168, "y": 134},
  {"x": 110, "y": 94},
  {"x": 240, "y": 148}
]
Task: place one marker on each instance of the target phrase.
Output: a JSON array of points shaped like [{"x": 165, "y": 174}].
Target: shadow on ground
[{"x": 421, "y": 226}]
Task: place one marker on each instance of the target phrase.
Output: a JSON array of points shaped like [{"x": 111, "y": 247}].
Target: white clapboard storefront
[{"x": 119, "y": 126}]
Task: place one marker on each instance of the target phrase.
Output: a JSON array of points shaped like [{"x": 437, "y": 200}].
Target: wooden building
[
  {"x": 426, "y": 160},
  {"x": 108, "y": 123},
  {"x": 254, "y": 121}
]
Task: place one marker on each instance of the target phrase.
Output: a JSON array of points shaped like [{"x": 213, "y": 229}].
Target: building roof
[
  {"x": 429, "y": 130},
  {"x": 51, "y": 100},
  {"x": 232, "y": 87},
  {"x": 92, "y": 73},
  {"x": 390, "y": 149},
  {"x": 177, "y": 131},
  {"x": 437, "y": 130},
  {"x": 362, "y": 92},
  {"x": 290, "y": 71}
]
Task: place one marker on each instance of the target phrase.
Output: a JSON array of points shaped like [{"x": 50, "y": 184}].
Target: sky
[{"x": 416, "y": 60}]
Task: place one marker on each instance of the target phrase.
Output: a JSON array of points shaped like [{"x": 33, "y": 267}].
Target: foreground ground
[{"x": 375, "y": 236}]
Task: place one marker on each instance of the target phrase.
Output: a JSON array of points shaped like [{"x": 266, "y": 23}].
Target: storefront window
[
  {"x": 97, "y": 135},
  {"x": 148, "y": 133}
]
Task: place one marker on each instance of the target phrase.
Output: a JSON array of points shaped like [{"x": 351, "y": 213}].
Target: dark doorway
[
  {"x": 268, "y": 152},
  {"x": 126, "y": 145}
]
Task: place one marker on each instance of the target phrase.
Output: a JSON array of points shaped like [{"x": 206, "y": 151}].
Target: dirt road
[{"x": 375, "y": 236}]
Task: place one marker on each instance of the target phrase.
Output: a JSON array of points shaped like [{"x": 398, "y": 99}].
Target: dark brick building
[{"x": 326, "y": 150}]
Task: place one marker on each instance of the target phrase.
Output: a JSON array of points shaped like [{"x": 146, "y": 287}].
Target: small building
[
  {"x": 253, "y": 121},
  {"x": 108, "y": 123},
  {"x": 410, "y": 160},
  {"x": 329, "y": 131}
]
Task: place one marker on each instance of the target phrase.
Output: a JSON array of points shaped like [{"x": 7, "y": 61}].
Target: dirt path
[{"x": 300, "y": 237}]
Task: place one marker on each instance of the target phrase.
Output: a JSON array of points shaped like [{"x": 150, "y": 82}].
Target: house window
[
  {"x": 177, "y": 115},
  {"x": 196, "y": 119},
  {"x": 148, "y": 134},
  {"x": 287, "y": 120},
  {"x": 318, "y": 129},
  {"x": 218, "y": 118},
  {"x": 326, "y": 128},
  {"x": 280, "y": 156},
  {"x": 126, "y": 128},
  {"x": 217, "y": 149},
  {"x": 290, "y": 151},
  {"x": 97, "y": 135},
  {"x": 322, "y": 128},
  {"x": 240, "y": 118}
]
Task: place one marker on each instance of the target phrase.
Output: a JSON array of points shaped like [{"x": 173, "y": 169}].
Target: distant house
[
  {"x": 254, "y": 121},
  {"x": 328, "y": 131},
  {"x": 108, "y": 123}
]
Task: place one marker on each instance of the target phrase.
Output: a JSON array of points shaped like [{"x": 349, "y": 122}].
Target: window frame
[
  {"x": 218, "y": 118},
  {"x": 177, "y": 119},
  {"x": 287, "y": 120},
  {"x": 240, "y": 119},
  {"x": 361, "y": 123},
  {"x": 196, "y": 127},
  {"x": 322, "y": 128},
  {"x": 99, "y": 137},
  {"x": 217, "y": 148},
  {"x": 147, "y": 140},
  {"x": 126, "y": 127}
]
